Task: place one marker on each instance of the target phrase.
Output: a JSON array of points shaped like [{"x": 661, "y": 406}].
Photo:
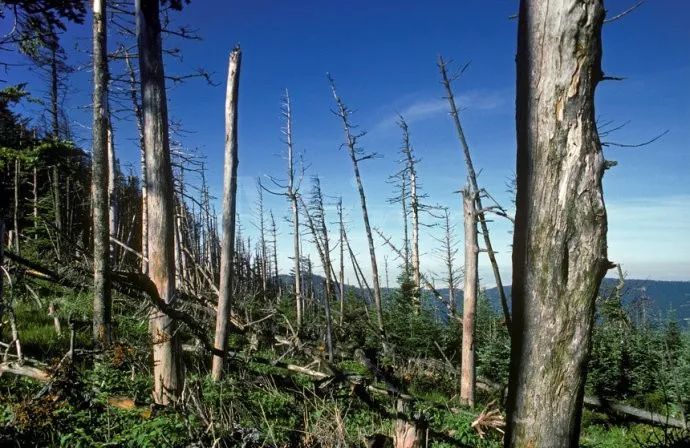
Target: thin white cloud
[{"x": 422, "y": 109}]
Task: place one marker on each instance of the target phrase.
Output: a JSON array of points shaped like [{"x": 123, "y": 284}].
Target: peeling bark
[
  {"x": 167, "y": 355},
  {"x": 559, "y": 247}
]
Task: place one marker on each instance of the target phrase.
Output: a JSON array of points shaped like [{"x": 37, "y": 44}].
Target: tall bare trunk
[
  {"x": 467, "y": 374},
  {"x": 112, "y": 191},
  {"x": 559, "y": 245},
  {"x": 17, "y": 169},
  {"x": 99, "y": 180},
  {"x": 341, "y": 276},
  {"x": 292, "y": 194},
  {"x": 142, "y": 148},
  {"x": 356, "y": 156},
  {"x": 167, "y": 355},
  {"x": 414, "y": 208},
  {"x": 472, "y": 176},
  {"x": 54, "y": 114},
  {"x": 229, "y": 209}
]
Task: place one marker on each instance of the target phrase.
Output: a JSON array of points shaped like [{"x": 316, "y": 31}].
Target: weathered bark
[
  {"x": 468, "y": 370},
  {"x": 559, "y": 245},
  {"x": 408, "y": 433},
  {"x": 167, "y": 356},
  {"x": 472, "y": 177},
  {"x": 2, "y": 253},
  {"x": 99, "y": 180},
  {"x": 229, "y": 210},
  {"x": 356, "y": 156}
]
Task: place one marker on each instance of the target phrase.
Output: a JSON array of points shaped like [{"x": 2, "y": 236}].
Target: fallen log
[
  {"x": 24, "y": 370},
  {"x": 633, "y": 413}
]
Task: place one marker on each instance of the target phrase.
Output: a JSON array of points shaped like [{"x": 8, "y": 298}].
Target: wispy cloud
[{"x": 419, "y": 109}]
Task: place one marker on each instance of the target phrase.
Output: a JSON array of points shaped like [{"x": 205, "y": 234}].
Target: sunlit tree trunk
[
  {"x": 467, "y": 372},
  {"x": 229, "y": 211},
  {"x": 559, "y": 245},
  {"x": 99, "y": 180},
  {"x": 167, "y": 355}
]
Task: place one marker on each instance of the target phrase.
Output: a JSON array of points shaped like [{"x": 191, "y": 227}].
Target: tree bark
[
  {"x": 229, "y": 211},
  {"x": 559, "y": 245},
  {"x": 99, "y": 180},
  {"x": 468, "y": 370},
  {"x": 167, "y": 356}
]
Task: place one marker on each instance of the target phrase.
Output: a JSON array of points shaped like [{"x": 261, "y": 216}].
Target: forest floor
[{"x": 103, "y": 398}]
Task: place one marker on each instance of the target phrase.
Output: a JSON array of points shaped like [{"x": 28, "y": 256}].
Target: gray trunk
[
  {"x": 468, "y": 370},
  {"x": 167, "y": 355},
  {"x": 229, "y": 210},
  {"x": 559, "y": 246},
  {"x": 99, "y": 180}
]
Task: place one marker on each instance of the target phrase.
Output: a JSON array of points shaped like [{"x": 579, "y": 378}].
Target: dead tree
[
  {"x": 316, "y": 222},
  {"x": 559, "y": 244},
  {"x": 468, "y": 370},
  {"x": 229, "y": 210},
  {"x": 99, "y": 181},
  {"x": 357, "y": 155},
  {"x": 138, "y": 115},
  {"x": 274, "y": 243},
  {"x": 341, "y": 247},
  {"x": 291, "y": 187},
  {"x": 113, "y": 209},
  {"x": 263, "y": 262},
  {"x": 167, "y": 355},
  {"x": 472, "y": 176},
  {"x": 410, "y": 163},
  {"x": 448, "y": 251},
  {"x": 400, "y": 180}
]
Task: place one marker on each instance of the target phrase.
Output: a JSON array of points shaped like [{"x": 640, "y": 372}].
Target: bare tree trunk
[
  {"x": 35, "y": 197},
  {"x": 54, "y": 113},
  {"x": 472, "y": 176},
  {"x": 292, "y": 194},
  {"x": 559, "y": 245},
  {"x": 449, "y": 252},
  {"x": 229, "y": 211},
  {"x": 274, "y": 232},
  {"x": 142, "y": 148},
  {"x": 467, "y": 373},
  {"x": 317, "y": 225},
  {"x": 3, "y": 304},
  {"x": 112, "y": 191},
  {"x": 341, "y": 276},
  {"x": 262, "y": 243},
  {"x": 99, "y": 180},
  {"x": 167, "y": 355},
  {"x": 356, "y": 156},
  {"x": 17, "y": 169},
  {"x": 414, "y": 207}
]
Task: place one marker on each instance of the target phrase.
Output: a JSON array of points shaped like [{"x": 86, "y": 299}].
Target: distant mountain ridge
[{"x": 661, "y": 296}]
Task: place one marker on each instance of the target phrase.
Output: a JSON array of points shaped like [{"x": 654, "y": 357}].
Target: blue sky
[{"x": 382, "y": 55}]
